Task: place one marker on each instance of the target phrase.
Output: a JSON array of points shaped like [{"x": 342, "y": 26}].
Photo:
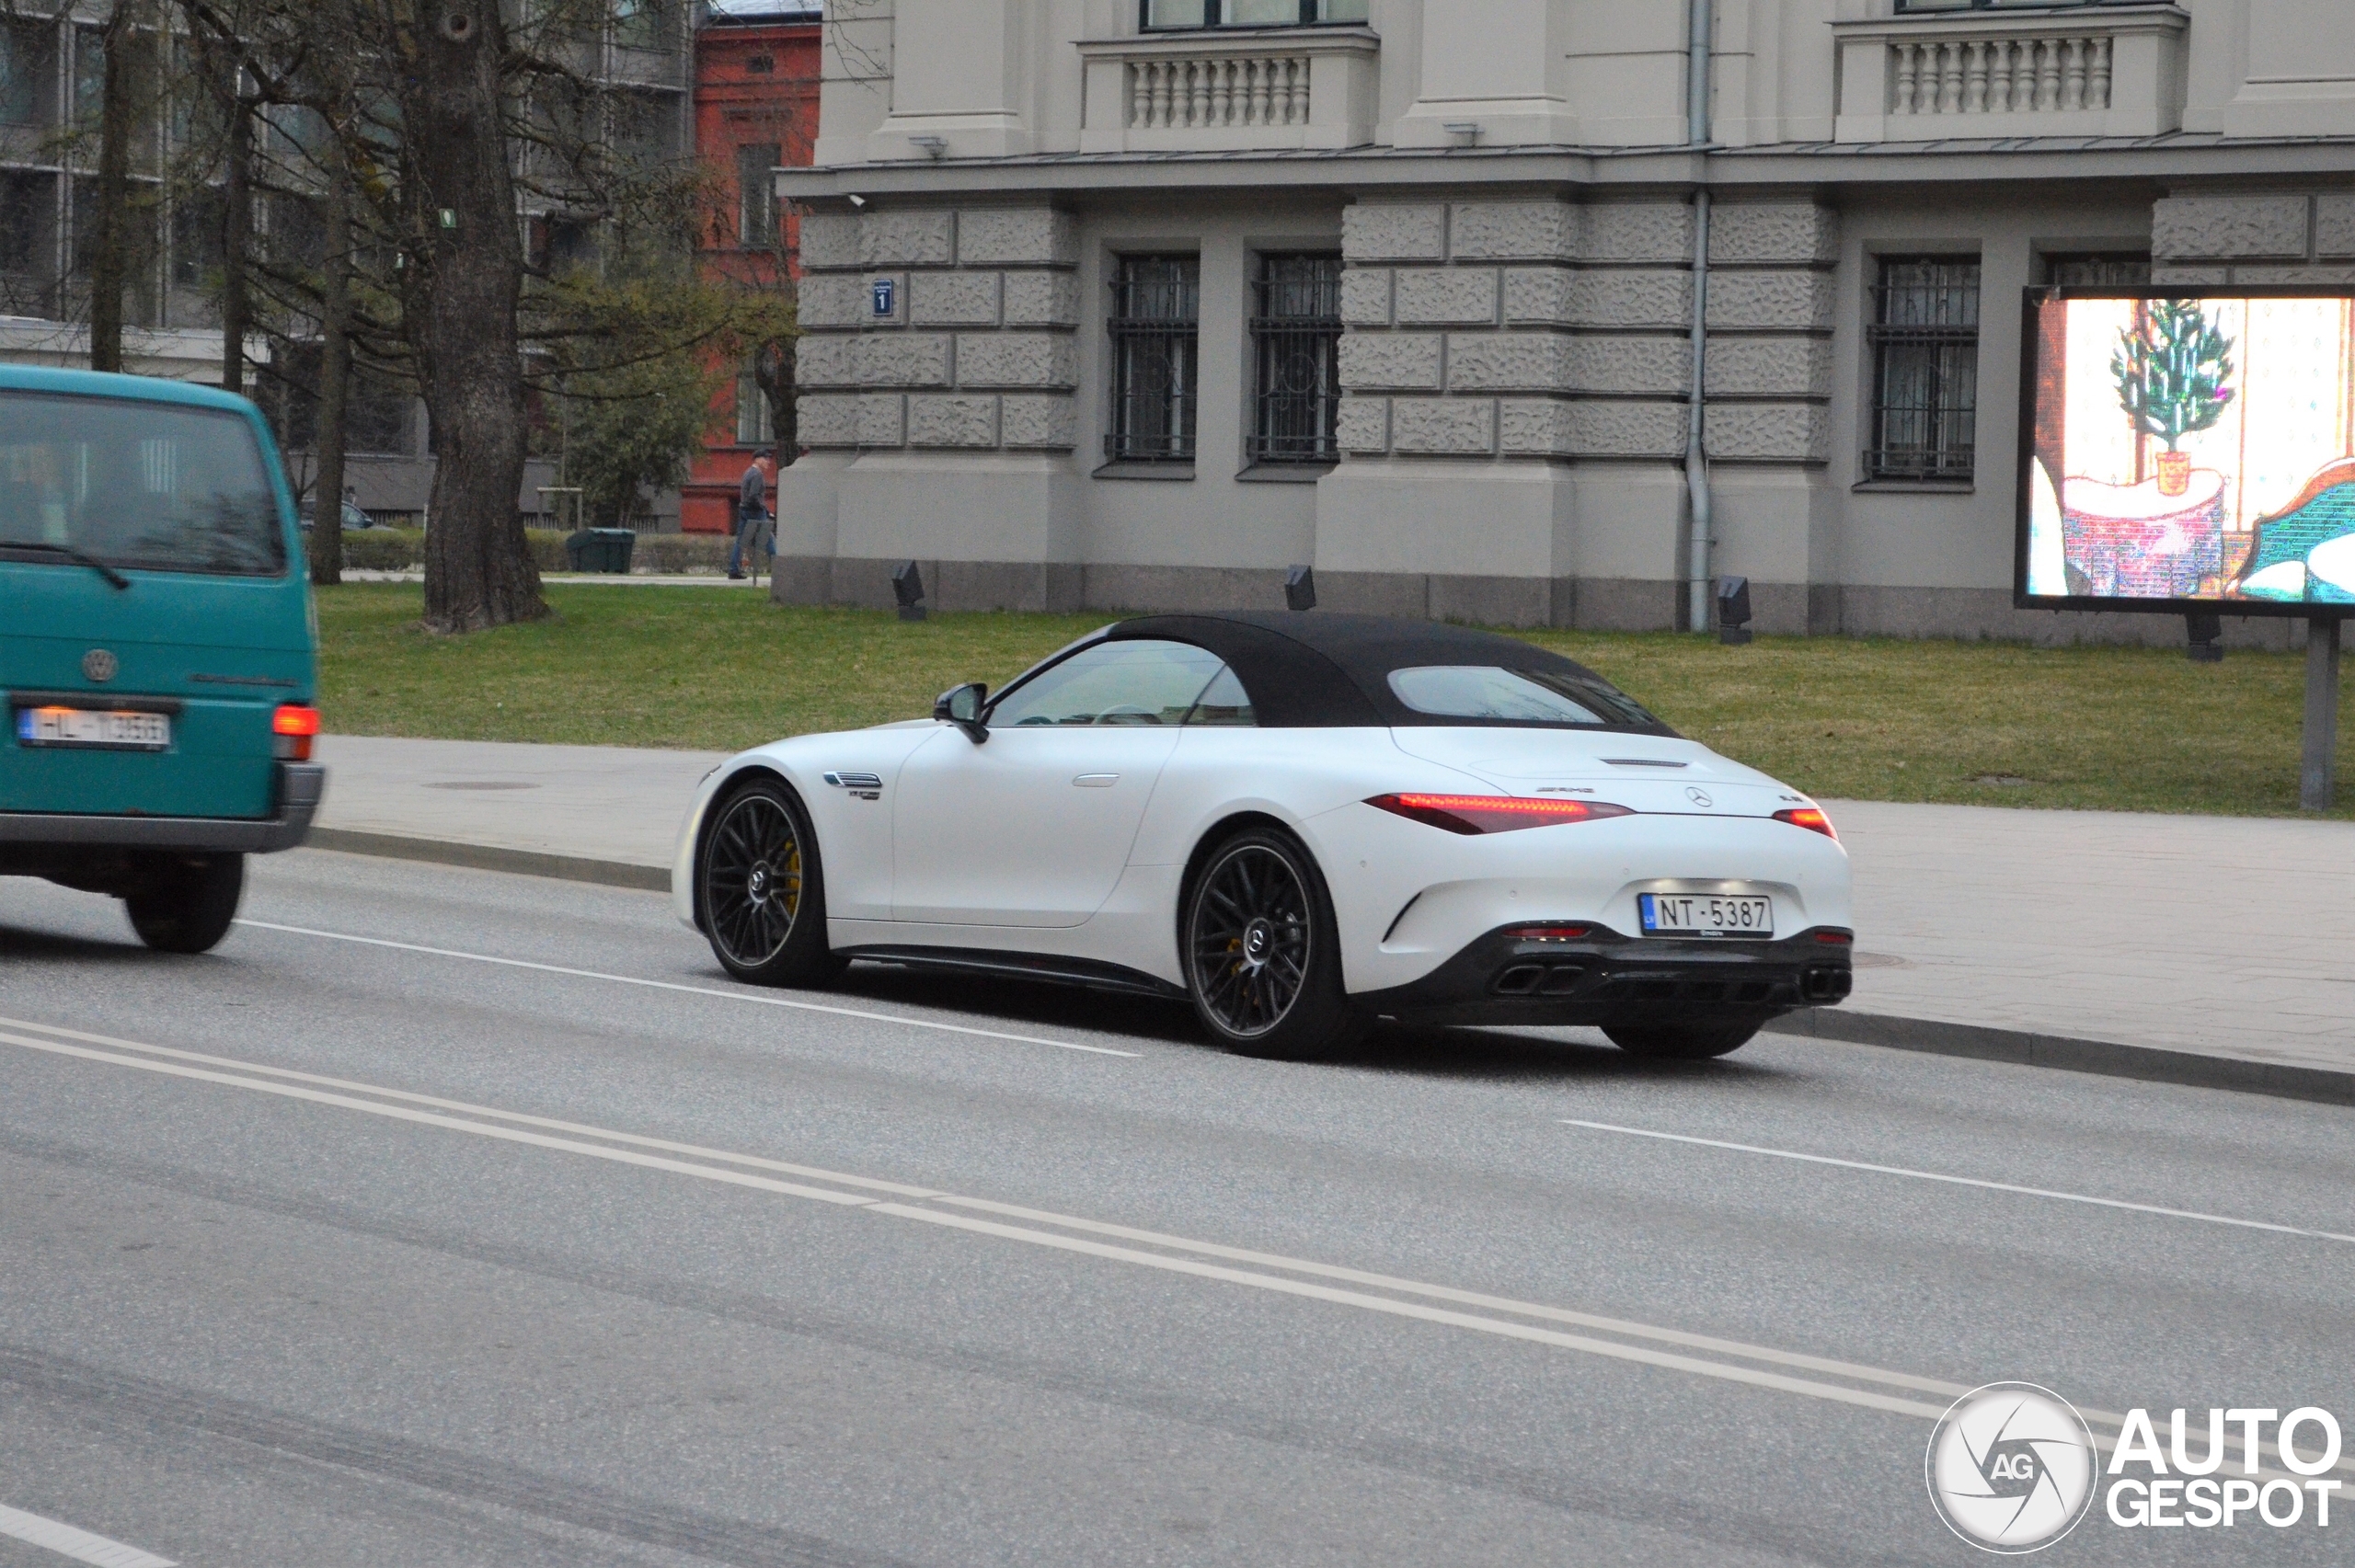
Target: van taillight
[{"x": 291, "y": 727}]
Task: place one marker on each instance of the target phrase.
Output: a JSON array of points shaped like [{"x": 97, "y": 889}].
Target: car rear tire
[
  {"x": 760, "y": 892},
  {"x": 1263, "y": 953},
  {"x": 1683, "y": 1042},
  {"x": 186, "y": 903}
]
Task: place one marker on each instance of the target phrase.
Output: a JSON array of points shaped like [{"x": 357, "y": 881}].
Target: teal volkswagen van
[{"x": 158, "y": 649}]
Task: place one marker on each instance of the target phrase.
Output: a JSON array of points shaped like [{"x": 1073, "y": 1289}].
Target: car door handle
[{"x": 1097, "y": 780}]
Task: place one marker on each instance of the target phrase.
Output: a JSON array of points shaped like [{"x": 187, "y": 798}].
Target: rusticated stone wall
[
  {"x": 2277, "y": 237},
  {"x": 978, "y": 353},
  {"x": 1527, "y": 329},
  {"x": 1558, "y": 329}
]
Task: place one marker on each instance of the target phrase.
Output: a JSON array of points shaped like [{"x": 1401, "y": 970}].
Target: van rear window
[{"x": 152, "y": 485}]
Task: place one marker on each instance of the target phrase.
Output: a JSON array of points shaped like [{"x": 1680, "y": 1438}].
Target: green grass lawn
[{"x": 2114, "y": 728}]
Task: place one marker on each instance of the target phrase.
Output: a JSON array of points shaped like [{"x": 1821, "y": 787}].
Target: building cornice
[{"x": 2180, "y": 156}]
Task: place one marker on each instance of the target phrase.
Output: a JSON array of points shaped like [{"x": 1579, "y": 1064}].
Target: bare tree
[
  {"x": 463, "y": 283},
  {"x": 110, "y": 238}
]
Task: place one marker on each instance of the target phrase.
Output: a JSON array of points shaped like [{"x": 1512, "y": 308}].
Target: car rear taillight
[
  {"x": 1492, "y": 813},
  {"x": 1549, "y": 933},
  {"x": 1832, "y": 938},
  {"x": 1809, "y": 817},
  {"x": 291, "y": 727}
]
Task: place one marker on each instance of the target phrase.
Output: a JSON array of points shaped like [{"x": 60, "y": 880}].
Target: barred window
[
  {"x": 2098, "y": 269},
  {"x": 1156, "y": 305},
  {"x": 1925, "y": 367},
  {"x": 1162, "y": 14},
  {"x": 755, "y": 423},
  {"x": 1296, "y": 345},
  {"x": 756, "y": 193}
]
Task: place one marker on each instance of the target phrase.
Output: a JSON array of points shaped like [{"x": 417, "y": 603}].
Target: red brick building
[{"x": 756, "y": 106}]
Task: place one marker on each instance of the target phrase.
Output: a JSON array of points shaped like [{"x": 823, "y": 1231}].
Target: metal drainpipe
[{"x": 1696, "y": 459}]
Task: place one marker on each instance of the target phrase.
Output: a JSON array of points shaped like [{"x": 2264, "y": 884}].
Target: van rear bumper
[{"x": 299, "y": 788}]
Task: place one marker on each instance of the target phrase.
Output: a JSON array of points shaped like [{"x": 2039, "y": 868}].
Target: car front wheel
[
  {"x": 1263, "y": 958},
  {"x": 761, "y": 891},
  {"x": 186, "y": 903},
  {"x": 1683, "y": 1042}
]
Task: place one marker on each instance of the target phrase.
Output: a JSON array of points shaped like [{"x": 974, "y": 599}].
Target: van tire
[{"x": 186, "y": 903}]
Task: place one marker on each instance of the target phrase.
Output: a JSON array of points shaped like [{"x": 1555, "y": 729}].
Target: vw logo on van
[{"x": 99, "y": 664}]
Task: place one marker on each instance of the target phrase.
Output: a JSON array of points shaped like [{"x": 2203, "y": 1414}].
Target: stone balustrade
[
  {"x": 1221, "y": 93},
  {"x": 1999, "y": 75},
  {"x": 1231, "y": 92},
  {"x": 2115, "y": 72}
]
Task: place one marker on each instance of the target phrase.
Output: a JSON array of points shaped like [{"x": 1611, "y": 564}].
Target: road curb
[
  {"x": 486, "y": 857},
  {"x": 2106, "y": 1059}
]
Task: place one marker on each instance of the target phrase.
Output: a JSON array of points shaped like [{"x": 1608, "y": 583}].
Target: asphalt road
[{"x": 447, "y": 1217}]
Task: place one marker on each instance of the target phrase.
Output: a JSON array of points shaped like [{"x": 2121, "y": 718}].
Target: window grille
[
  {"x": 2098, "y": 270},
  {"x": 1926, "y": 369},
  {"x": 756, "y": 194},
  {"x": 755, "y": 423},
  {"x": 1156, "y": 305},
  {"x": 1163, "y": 15},
  {"x": 1296, "y": 342}
]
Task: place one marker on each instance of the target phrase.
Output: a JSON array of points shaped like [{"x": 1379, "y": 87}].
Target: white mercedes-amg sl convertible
[{"x": 1302, "y": 822}]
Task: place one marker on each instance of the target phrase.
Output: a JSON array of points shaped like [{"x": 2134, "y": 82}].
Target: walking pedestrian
[{"x": 751, "y": 508}]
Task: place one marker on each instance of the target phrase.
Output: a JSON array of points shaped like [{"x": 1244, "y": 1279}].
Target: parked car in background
[
  {"x": 352, "y": 517},
  {"x": 1300, "y": 822},
  {"x": 158, "y": 648}
]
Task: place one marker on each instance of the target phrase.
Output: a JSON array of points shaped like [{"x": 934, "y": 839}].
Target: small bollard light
[
  {"x": 1300, "y": 589},
  {"x": 2205, "y": 629},
  {"x": 1733, "y": 611},
  {"x": 907, "y": 587}
]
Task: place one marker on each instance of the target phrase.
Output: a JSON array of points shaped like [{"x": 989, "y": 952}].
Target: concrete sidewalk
[{"x": 2196, "y": 949}]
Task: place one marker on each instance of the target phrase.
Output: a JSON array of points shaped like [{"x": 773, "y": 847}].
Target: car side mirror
[{"x": 961, "y": 705}]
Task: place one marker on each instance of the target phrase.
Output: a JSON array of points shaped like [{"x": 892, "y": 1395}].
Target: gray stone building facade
[{"x": 1059, "y": 350}]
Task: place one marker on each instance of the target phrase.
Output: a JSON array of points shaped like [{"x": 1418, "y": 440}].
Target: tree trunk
[
  {"x": 465, "y": 280},
  {"x": 335, "y": 370},
  {"x": 237, "y": 238},
  {"x": 110, "y": 238}
]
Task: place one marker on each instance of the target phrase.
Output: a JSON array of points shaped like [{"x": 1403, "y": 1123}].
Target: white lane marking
[
  {"x": 691, "y": 990},
  {"x": 79, "y": 1545},
  {"x": 1749, "y": 1375},
  {"x": 1966, "y": 1181},
  {"x": 899, "y": 1189},
  {"x": 1496, "y": 1327},
  {"x": 402, "y": 1113},
  {"x": 1044, "y": 1217}
]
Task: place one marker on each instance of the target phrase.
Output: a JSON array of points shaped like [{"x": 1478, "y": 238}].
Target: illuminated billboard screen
[{"x": 2188, "y": 450}]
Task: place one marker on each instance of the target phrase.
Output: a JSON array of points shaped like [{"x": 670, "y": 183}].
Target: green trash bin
[{"x": 600, "y": 549}]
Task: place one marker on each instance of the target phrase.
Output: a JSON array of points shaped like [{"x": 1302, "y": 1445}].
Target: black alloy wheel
[
  {"x": 1262, "y": 955},
  {"x": 759, "y": 890}
]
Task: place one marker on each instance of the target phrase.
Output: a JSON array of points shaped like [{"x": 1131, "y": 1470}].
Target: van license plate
[
  {"x": 112, "y": 730},
  {"x": 1705, "y": 914}
]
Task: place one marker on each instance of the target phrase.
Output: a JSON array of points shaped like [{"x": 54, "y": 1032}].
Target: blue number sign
[{"x": 884, "y": 291}]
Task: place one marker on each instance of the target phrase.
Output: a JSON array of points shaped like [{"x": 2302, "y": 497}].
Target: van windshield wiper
[{"x": 80, "y": 558}]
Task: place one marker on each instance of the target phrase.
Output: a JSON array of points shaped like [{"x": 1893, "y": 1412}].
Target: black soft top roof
[{"x": 1309, "y": 670}]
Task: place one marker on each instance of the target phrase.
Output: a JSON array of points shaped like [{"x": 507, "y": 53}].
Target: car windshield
[
  {"x": 1127, "y": 682},
  {"x": 150, "y": 486},
  {"x": 1517, "y": 697}
]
